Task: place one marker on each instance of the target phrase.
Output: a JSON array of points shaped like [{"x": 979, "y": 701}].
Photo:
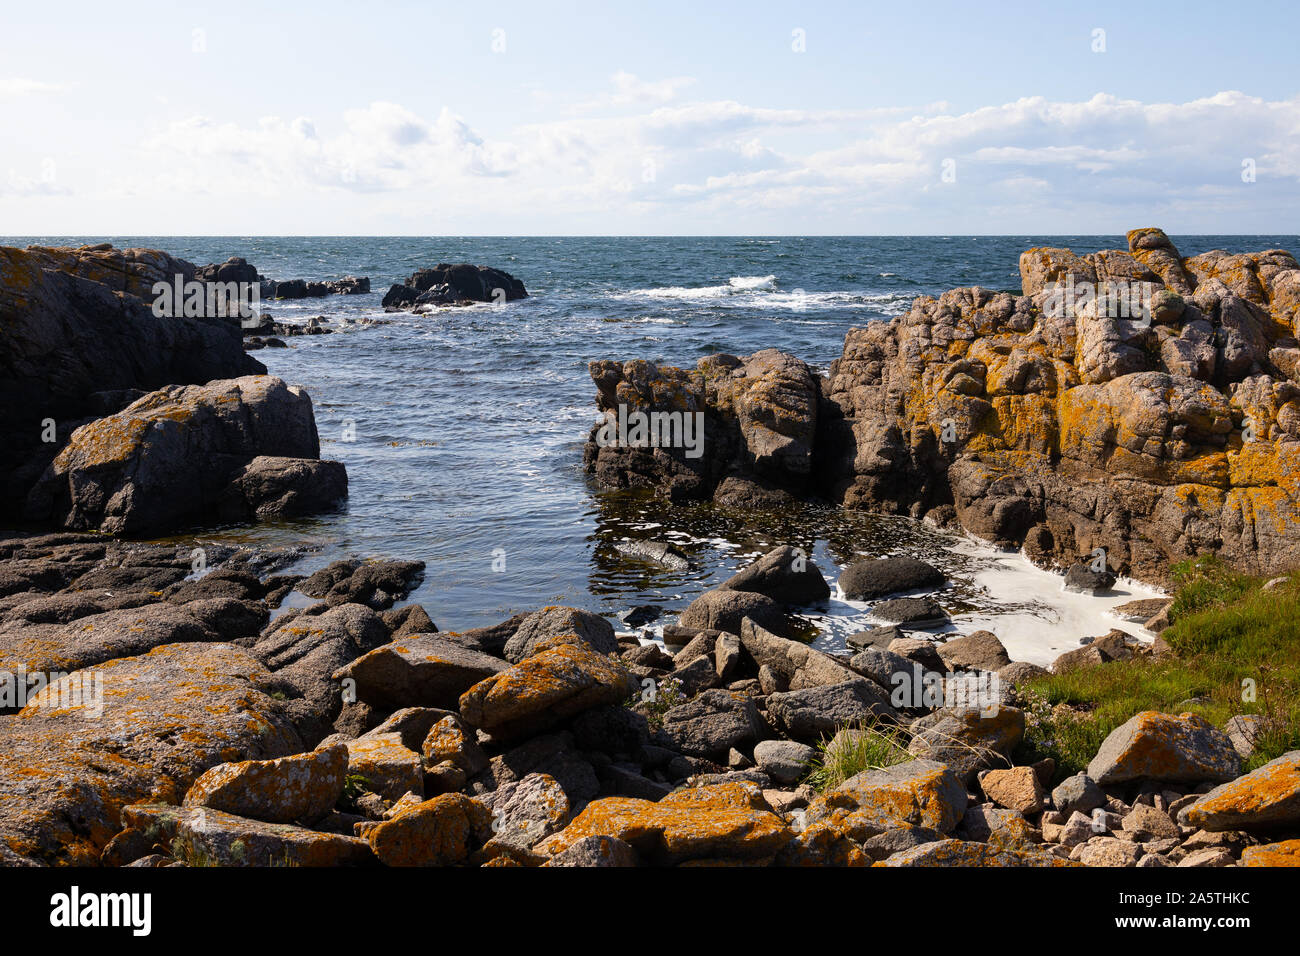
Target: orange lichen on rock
[{"x": 707, "y": 824}]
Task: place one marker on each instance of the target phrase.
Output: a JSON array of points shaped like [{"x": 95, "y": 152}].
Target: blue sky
[{"x": 664, "y": 118}]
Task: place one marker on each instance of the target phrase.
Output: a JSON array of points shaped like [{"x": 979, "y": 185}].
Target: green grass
[
  {"x": 875, "y": 748},
  {"x": 1226, "y": 631}
]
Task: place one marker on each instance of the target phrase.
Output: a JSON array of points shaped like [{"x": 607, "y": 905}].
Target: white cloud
[
  {"x": 18, "y": 86},
  {"x": 729, "y": 166}
]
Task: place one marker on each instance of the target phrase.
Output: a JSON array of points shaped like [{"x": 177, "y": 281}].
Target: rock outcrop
[
  {"x": 1136, "y": 402},
  {"x": 78, "y": 341},
  {"x": 228, "y": 450},
  {"x": 759, "y": 420},
  {"x": 446, "y": 284}
]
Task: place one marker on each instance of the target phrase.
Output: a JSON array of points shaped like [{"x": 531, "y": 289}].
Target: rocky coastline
[{"x": 170, "y": 705}]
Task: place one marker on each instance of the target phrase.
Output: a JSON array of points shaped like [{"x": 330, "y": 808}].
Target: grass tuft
[{"x": 854, "y": 750}]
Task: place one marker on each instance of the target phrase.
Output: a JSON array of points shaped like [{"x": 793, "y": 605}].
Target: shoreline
[{"x": 549, "y": 738}]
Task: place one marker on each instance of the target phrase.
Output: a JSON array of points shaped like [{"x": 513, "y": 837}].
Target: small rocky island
[{"x": 165, "y": 705}]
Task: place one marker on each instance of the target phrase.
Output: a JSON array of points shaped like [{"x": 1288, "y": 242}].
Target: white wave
[
  {"x": 752, "y": 283},
  {"x": 761, "y": 292}
]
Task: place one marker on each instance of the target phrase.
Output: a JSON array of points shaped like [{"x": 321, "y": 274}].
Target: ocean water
[{"x": 462, "y": 431}]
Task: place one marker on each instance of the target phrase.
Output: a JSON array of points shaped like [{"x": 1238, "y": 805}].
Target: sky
[{"x": 664, "y": 118}]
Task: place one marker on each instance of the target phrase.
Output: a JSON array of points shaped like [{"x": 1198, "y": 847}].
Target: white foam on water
[
  {"x": 1041, "y": 619},
  {"x": 1028, "y": 608},
  {"x": 763, "y": 292},
  {"x": 750, "y": 283}
]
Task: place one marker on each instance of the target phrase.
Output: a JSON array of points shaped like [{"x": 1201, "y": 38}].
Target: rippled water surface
[{"x": 468, "y": 424}]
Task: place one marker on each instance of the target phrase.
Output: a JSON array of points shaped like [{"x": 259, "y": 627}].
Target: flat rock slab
[
  {"x": 167, "y": 717},
  {"x": 962, "y": 853},
  {"x": 201, "y": 836},
  {"x": 421, "y": 671},
  {"x": 1267, "y": 796}
]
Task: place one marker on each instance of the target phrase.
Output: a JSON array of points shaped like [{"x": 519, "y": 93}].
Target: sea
[{"x": 462, "y": 430}]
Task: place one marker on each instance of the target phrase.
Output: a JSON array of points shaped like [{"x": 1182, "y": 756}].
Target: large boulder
[
  {"x": 182, "y": 455},
  {"x": 723, "y": 822},
  {"x": 969, "y": 739},
  {"x": 167, "y": 716},
  {"x": 784, "y": 574},
  {"x": 816, "y": 712},
  {"x": 981, "y": 651},
  {"x": 1266, "y": 797},
  {"x": 77, "y": 341},
  {"x": 759, "y": 416},
  {"x": 916, "y": 792},
  {"x": 712, "y": 723},
  {"x": 439, "y": 832},
  {"x": 544, "y": 689},
  {"x": 302, "y": 788},
  {"x": 544, "y": 627},
  {"x": 876, "y": 577},
  {"x": 1165, "y": 748},
  {"x": 426, "y": 670},
  {"x": 723, "y": 609},
  {"x": 201, "y": 836},
  {"x": 798, "y": 665}
]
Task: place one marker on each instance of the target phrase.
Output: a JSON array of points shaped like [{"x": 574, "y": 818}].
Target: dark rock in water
[
  {"x": 349, "y": 285},
  {"x": 751, "y": 494},
  {"x": 915, "y": 611},
  {"x": 459, "y": 284},
  {"x": 659, "y": 552},
  {"x": 873, "y": 578},
  {"x": 376, "y": 584},
  {"x": 298, "y": 289},
  {"x": 758, "y": 415},
  {"x": 67, "y": 341},
  {"x": 1081, "y": 577},
  {"x": 183, "y": 455},
  {"x": 233, "y": 269},
  {"x": 476, "y": 283},
  {"x": 641, "y": 614},
  {"x": 784, "y": 574},
  {"x": 399, "y": 296},
  {"x": 268, "y": 488}
]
